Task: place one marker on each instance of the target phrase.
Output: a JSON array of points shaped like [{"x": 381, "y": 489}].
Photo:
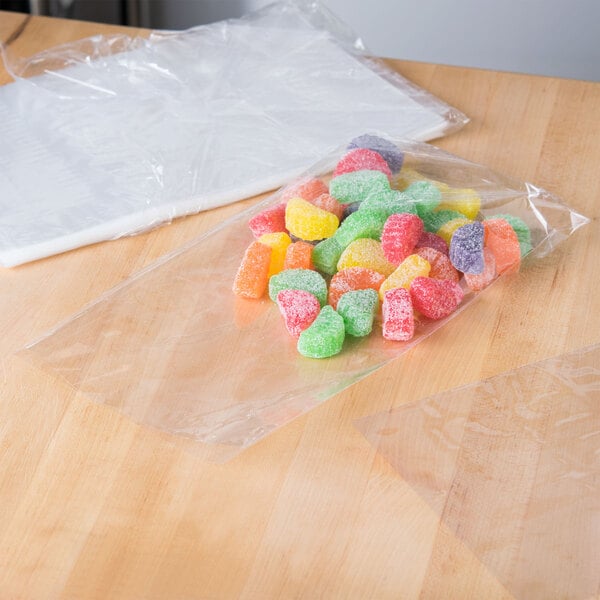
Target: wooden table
[{"x": 95, "y": 506}]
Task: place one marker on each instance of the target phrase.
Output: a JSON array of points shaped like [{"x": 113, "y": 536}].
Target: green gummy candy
[
  {"x": 326, "y": 255},
  {"x": 361, "y": 224},
  {"x": 435, "y": 219},
  {"x": 425, "y": 195},
  {"x": 299, "y": 279},
  {"x": 325, "y": 337},
  {"x": 356, "y": 186},
  {"x": 392, "y": 202},
  {"x": 358, "y": 309},
  {"x": 521, "y": 229}
]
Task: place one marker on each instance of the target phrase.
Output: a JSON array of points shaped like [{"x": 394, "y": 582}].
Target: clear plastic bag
[
  {"x": 126, "y": 133},
  {"x": 173, "y": 348},
  {"x": 512, "y": 466}
]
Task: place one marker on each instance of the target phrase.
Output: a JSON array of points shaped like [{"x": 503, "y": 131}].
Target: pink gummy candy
[
  {"x": 398, "y": 316},
  {"x": 362, "y": 159},
  {"x": 400, "y": 234},
  {"x": 431, "y": 240},
  {"x": 441, "y": 267},
  {"x": 270, "y": 220},
  {"x": 299, "y": 309},
  {"x": 435, "y": 298}
]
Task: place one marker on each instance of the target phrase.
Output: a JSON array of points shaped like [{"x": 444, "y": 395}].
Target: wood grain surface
[{"x": 95, "y": 506}]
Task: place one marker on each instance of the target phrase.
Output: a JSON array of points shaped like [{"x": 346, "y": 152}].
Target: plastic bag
[
  {"x": 512, "y": 466},
  {"x": 126, "y": 133},
  {"x": 173, "y": 348}
]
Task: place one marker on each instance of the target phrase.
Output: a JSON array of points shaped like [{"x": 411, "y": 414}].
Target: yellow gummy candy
[
  {"x": 367, "y": 253},
  {"x": 309, "y": 222},
  {"x": 446, "y": 231},
  {"x": 465, "y": 201},
  {"x": 412, "y": 266},
  {"x": 278, "y": 242}
]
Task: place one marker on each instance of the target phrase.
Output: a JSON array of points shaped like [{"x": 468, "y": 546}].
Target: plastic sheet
[
  {"x": 124, "y": 134},
  {"x": 512, "y": 466},
  {"x": 173, "y": 348}
]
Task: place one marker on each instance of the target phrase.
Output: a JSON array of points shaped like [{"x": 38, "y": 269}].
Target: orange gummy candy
[
  {"x": 353, "y": 279},
  {"x": 330, "y": 204},
  {"x": 502, "y": 240},
  {"x": 299, "y": 256},
  {"x": 253, "y": 274},
  {"x": 307, "y": 190}
]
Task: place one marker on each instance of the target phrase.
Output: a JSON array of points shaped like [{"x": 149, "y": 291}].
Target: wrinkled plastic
[
  {"x": 173, "y": 348},
  {"x": 112, "y": 135},
  {"x": 512, "y": 466}
]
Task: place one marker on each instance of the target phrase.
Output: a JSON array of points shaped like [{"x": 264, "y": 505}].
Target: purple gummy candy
[
  {"x": 466, "y": 248},
  {"x": 392, "y": 155}
]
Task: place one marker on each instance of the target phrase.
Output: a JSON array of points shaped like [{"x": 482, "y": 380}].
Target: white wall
[{"x": 546, "y": 37}]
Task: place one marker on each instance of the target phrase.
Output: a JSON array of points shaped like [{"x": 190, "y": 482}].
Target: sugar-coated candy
[
  {"x": 502, "y": 240},
  {"x": 390, "y": 152},
  {"x": 326, "y": 255},
  {"x": 299, "y": 309},
  {"x": 483, "y": 279},
  {"x": 398, "y": 315},
  {"x": 441, "y": 267},
  {"x": 412, "y": 266},
  {"x": 253, "y": 273},
  {"x": 425, "y": 195},
  {"x": 278, "y": 243},
  {"x": 309, "y": 222},
  {"x": 435, "y": 298},
  {"x": 356, "y": 186},
  {"x": 367, "y": 253},
  {"x": 270, "y": 220},
  {"x": 466, "y": 248},
  {"x": 446, "y": 231},
  {"x": 307, "y": 189},
  {"x": 299, "y": 279},
  {"x": 465, "y": 201},
  {"x": 358, "y": 309},
  {"x": 399, "y": 236},
  {"x": 330, "y": 204},
  {"x": 521, "y": 229},
  {"x": 431, "y": 240},
  {"x": 299, "y": 256},
  {"x": 362, "y": 159},
  {"x": 437, "y": 218},
  {"x": 325, "y": 337},
  {"x": 352, "y": 279},
  {"x": 390, "y": 202},
  {"x": 361, "y": 224},
  {"x": 350, "y": 208}
]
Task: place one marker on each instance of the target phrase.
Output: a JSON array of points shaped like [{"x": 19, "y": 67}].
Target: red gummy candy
[
  {"x": 299, "y": 309},
  {"x": 431, "y": 240},
  {"x": 362, "y": 159},
  {"x": 435, "y": 298},
  {"x": 270, "y": 220},
  {"x": 307, "y": 190},
  {"x": 441, "y": 267},
  {"x": 398, "y": 316},
  {"x": 352, "y": 279},
  {"x": 330, "y": 204},
  {"x": 400, "y": 234}
]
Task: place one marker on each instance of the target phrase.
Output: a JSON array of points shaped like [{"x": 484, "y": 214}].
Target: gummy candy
[
  {"x": 435, "y": 298},
  {"x": 446, "y": 231},
  {"x": 483, "y": 279},
  {"x": 362, "y": 159},
  {"x": 299, "y": 256},
  {"x": 502, "y": 240},
  {"x": 307, "y": 190},
  {"x": 358, "y": 309},
  {"x": 412, "y": 266},
  {"x": 299, "y": 279},
  {"x": 330, "y": 204},
  {"x": 299, "y": 309},
  {"x": 435, "y": 219},
  {"x": 325, "y": 337},
  {"x": 253, "y": 273},
  {"x": 365, "y": 252},
  {"x": 441, "y": 267},
  {"x": 398, "y": 316},
  {"x": 279, "y": 243},
  {"x": 465, "y": 201},
  {"x": 326, "y": 255},
  {"x": 466, "y": 248},
  {"x": 390, "y": 152},
  {"x": 522, "y": 231},
  {"x": 356, "y": 186},
  {"x": 270, "y": 220},
  {"x": 425, "y": 195},
  {"x": 390, "y": 202},
  {"x": 352, "y": 279},
  {"x": 361, "y": 224},
  {"x": 309, "y": 222},
  {"x": 400, "y": 234},
  {"x": 431, "y": 240}
]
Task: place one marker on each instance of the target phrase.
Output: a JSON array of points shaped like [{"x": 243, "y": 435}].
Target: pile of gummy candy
[{"x": 413, "y": 249}]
